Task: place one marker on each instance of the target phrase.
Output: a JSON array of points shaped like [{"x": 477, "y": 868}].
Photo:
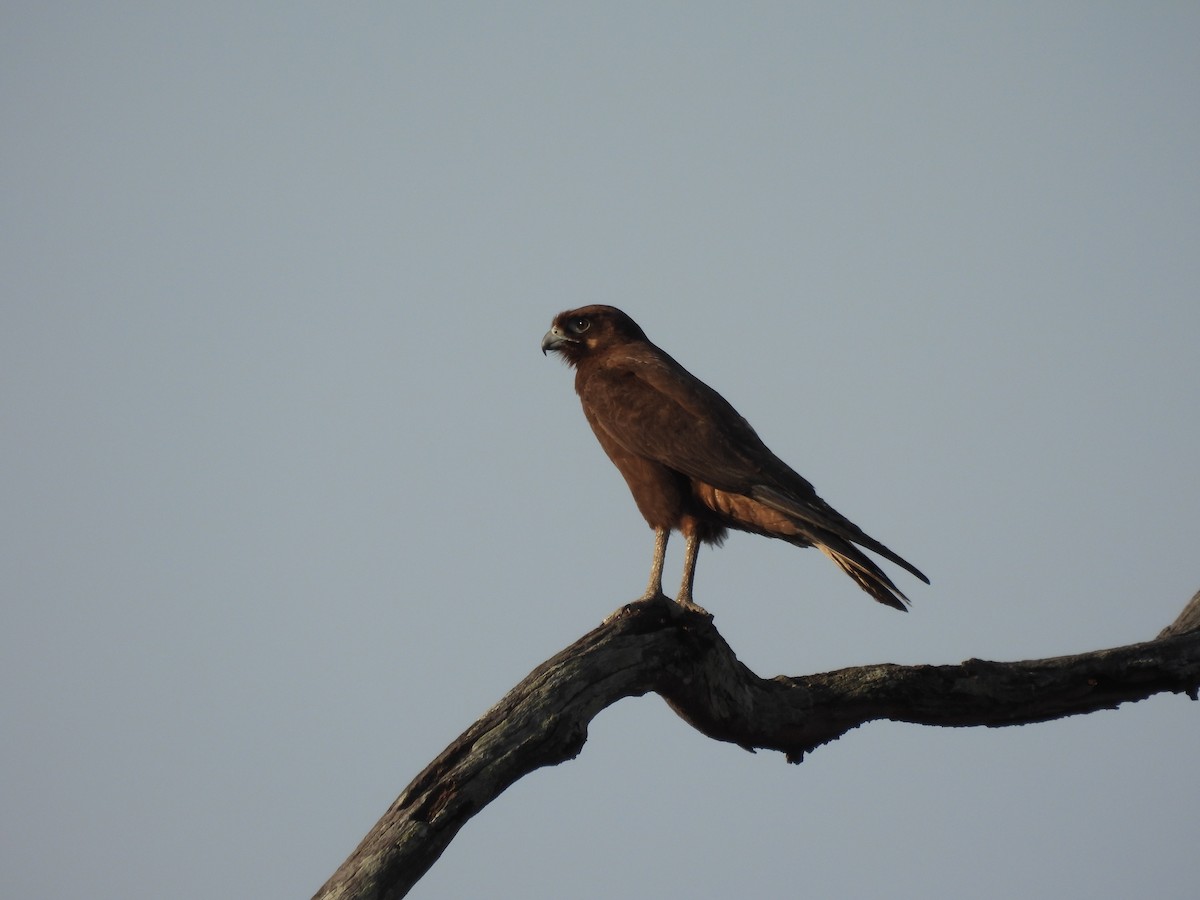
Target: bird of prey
[{"x": 692, "y": 463}]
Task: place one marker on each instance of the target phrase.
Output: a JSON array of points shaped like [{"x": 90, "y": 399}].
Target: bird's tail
[
  {"x": 822, "y": 517},
  {"x": 869, "y": 576}
]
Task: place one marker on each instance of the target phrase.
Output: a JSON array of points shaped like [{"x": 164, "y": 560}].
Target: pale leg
[
  {"x": 654, "y": 587},
  {"x": 690, "y": 552}
]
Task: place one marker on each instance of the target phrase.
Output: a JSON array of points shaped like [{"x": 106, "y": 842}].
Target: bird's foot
[
  {"x": 647, "y": 599},
  {"x": 678, "y": 608},
  {"x": 687, "y": 607}
]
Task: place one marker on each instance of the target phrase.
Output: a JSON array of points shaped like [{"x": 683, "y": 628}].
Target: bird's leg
[
  {"x": 654, "y": 588},
  {"x": 690, "y": 552}
]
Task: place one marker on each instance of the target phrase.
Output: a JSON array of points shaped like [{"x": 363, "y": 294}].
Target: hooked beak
[{"x": 554, "y": 340}]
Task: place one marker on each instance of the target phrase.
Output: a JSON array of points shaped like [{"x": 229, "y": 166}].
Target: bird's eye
[{"x": 579, "y": 325}]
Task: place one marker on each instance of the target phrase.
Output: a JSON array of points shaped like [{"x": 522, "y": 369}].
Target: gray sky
[{"x": 291, "y": 496}]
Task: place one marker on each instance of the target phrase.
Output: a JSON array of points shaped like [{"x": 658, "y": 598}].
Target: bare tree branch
[
  {"x": 1188, "y": 620},
  {"x": 654, "y": 647}
]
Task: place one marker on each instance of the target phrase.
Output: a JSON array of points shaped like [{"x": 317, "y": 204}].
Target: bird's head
[{"x": 579, "y": 333}]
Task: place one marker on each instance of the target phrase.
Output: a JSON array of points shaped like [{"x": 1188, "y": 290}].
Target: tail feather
[
  {"x": 869, "y": 576},
  {"x": 824, "y": 518}
]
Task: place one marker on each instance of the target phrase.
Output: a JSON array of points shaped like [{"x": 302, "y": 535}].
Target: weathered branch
[
  {"x": 653, "y": 647},
  {"x": 1188, "y": 620}
]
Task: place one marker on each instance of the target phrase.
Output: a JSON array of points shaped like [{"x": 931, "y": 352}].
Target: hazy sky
[{"x": 291, "y": 497}]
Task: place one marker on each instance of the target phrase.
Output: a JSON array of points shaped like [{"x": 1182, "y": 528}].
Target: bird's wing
[
  {"x": 654, "y": 408},
  {"x": 817, "y": 512}
]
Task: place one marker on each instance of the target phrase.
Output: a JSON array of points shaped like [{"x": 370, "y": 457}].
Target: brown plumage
[{"x": 692, "y": 463}]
